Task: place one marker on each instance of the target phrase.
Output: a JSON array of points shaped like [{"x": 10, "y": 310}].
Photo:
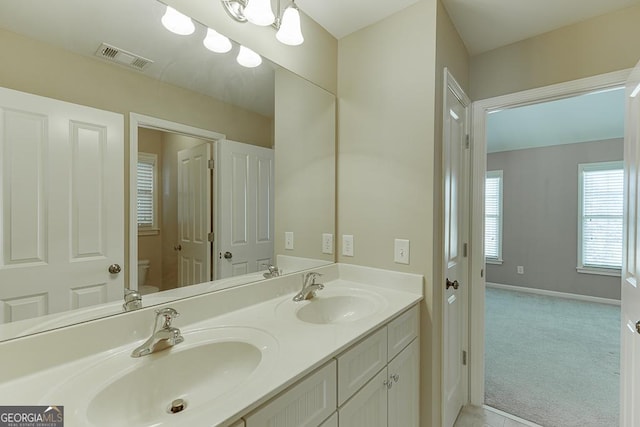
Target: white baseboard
[
  {"x": 511, "y": 416},
  {"x": 554, "y": 294}
]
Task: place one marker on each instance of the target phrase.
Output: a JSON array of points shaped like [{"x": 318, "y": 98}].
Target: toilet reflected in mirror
[{"x": 143, "y": 288}]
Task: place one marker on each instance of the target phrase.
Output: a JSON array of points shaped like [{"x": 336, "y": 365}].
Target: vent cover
[{"x": 122, "y": 57}]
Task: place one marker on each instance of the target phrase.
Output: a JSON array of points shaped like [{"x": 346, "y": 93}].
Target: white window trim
[
  {"x": 498, "y": 174},
  {"x": 153, "y": 229},
  {"x": 581, "y": 268}
]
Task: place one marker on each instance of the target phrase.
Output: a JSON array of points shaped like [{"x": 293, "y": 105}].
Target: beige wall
[
  {"x": 596, "y": 46},
  {"x": 305, "y": 148},
  {"x": 386, "y": 155},
  {"x": 150, "y": 245},
  {"x": 315, "y": 60}
]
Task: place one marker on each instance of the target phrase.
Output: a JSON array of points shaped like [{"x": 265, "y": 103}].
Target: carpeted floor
[{"x": 552, "y": 361}]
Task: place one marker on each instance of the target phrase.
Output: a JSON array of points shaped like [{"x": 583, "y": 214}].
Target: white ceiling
[
  {"x": 592, "y": 117},
  {"x": 489, "y": 24},
  {"x": 343, "y": 17},
  {"x": 482, "y": 24}
]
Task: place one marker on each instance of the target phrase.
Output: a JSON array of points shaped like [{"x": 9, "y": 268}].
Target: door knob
[
  {"x": 177, "y": 248},
  {"x": 638, "y": 326},
  {"x": 454, "y": 284},
  {"x": 114, "y": 269},
  {"x": 228, "y": 255}
]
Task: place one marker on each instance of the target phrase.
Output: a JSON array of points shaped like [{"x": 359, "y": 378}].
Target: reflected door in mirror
[
  {"x": 62, "y": 206},
  {"x": 246, "y": 208}
]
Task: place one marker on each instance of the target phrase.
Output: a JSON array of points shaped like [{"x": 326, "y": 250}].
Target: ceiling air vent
[{"x": 122, "y": 57}]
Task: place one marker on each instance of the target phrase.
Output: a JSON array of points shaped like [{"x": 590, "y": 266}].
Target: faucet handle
[
  {"x": 312, "y": 275},
  {"x": 169, "y": 314}
]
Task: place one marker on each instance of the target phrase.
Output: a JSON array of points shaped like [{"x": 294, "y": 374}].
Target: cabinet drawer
[
  {"x": 305, "y": 404},
  {"x": 360, "y": 363},
  {"x": 402, "y": 330}
]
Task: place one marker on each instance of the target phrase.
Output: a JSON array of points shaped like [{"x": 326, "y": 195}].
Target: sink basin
[
  {"x": 338, "y": 309},
  {"x": 333, "y": 306},
  {"x": 209, "y": 365}
]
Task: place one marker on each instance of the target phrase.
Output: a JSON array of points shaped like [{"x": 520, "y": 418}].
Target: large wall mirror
[{"x": 185, "y": 172}]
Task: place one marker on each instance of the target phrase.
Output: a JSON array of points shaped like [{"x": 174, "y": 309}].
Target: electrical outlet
[
  {"x": 401, "y": 251},
  {"x": 520, "y": 269},
  {"x": 327, "y": 243},
  {"x": 288, "y": 240},
  {"x": 347, "y": 245}
]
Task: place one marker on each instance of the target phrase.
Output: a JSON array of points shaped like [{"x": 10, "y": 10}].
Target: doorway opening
[{"x": 535, "y": 186}]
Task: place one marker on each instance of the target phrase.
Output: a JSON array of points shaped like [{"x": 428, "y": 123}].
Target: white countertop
[{"x": 293, "y": 348}]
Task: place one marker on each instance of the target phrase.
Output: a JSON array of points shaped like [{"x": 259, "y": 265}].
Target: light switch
[
  {"x": 288, "y": 240},
  {"x": 401, "y": 251},
  {"x": 347, "y": 244},
  {"x": 327, "y": 243}
]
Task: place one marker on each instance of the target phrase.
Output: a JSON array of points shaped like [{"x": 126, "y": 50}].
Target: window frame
[
  {"x": 590, "y": 167},
  {"x": 499, "y": 173},
  {"x": 153, "y": 228}
]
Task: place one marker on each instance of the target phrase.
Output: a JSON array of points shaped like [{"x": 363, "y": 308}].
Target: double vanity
[{"x": 344, "y": 353}]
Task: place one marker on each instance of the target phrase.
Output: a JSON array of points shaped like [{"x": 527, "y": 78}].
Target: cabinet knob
[
  {"x": 388, "y": 384},
  {"x": 395, "y": 377}
]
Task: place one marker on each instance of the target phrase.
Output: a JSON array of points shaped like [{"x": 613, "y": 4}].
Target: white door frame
[
  {"x": 137, "y": 121},
  {"x": 479, "y": 166}
]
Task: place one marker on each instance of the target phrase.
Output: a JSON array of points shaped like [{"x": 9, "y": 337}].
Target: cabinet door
[
  {"x": 404, "y": 394},
  {"x": 306, "y": 404},
  {"x": 332, "y": 421},
  {"x": 368, "y": 407}
]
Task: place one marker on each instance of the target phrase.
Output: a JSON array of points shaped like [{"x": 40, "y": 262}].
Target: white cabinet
[
  {"x": 404, "y": 394},
  {"x": 306, "y": 404},
  {"x": 391, "y": 398},
  {"x": 375, "y": 383},
  {"x": 240, "y": 423}
]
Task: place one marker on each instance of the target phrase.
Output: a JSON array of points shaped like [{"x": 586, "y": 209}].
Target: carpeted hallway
[{"x": 552, "y": 361}]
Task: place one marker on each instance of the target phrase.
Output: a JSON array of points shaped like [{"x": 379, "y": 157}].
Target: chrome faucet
[
  {"x": 162, "y": 338},
  {"x": 132, "y": 300},
  {"x": 309, "y": 287},
  {"x": 273, "y": 271}
]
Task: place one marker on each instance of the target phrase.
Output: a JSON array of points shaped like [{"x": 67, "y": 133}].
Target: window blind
[
  {"x": 493, "y": 215},
  {"x": 602, "y": 208},
  {"x": 146, "y": 179}
]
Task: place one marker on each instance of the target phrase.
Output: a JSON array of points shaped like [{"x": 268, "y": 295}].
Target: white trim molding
[
  {"x": 555, "y": 294},
  {"x": 480, "y": 109}
]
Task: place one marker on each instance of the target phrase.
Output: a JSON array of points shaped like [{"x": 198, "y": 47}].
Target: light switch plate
[
  {"x": 327, "y": 243},
  {"x": 347, "y": 244},
  {"x": 288, "y": 240},
  {"x": 401, "y": 251}
]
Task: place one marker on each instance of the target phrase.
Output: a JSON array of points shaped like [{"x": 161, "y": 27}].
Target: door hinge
[
  {"x": 464, "y": 358},
  {"x": 211, "y": 236},
  {"x": 464, "y": 250},
  {"x": 467, "y": 142},
  {"x": 211, "y": 164}
]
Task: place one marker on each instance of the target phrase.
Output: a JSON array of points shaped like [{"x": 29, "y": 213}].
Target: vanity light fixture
[
  {"x": 177, "y": 23},
  {"x": 248, "y": 58},
  {"x": 259, "y": 12},
  {"x": 216, "y": 42}
]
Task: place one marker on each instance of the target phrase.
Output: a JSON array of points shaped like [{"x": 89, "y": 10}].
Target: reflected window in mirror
[{"x": 147, "y": 193}]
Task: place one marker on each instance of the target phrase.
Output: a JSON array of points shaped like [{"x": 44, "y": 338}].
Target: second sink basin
[{"x": 337, "y": 306}]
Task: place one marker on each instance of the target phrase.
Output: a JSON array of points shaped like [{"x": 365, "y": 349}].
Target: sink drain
[{"x": 177, "y": 405}]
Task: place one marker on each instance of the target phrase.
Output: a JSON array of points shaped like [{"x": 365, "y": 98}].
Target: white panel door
[
  {"x": 245, "y": 206},
  {"x": 455, "y": 167},
  {"x": 61, "y": 198},
  {"x": 404, "y": 395},
  {"x": 630, "y": 339},
  {"x": 194, "y": 215}
]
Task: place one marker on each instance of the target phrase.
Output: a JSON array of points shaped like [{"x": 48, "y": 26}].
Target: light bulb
[
  {"x": 290, "y": 32},
  {"x": 248, "y": 58},
  {"x": 177, "y": 23},
  {"x": 259, "y": 12},
  {"x": 216, "y": 42}
]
